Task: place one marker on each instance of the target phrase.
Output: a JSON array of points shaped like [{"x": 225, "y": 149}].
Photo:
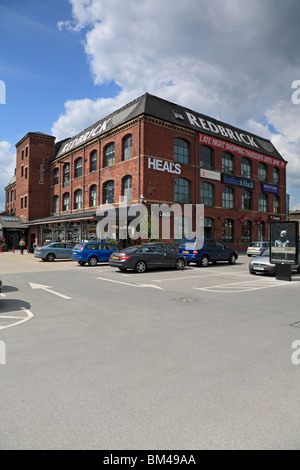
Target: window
[
  {"x": 275, "y": 175},
  {"x": 246, "y": 168},
  {"x": 227, "y": 230},
  {"x": 66, "y": 175},
  {"x": 246, "y": 231},
  {"x": 26, "y": 172},
  {"x": 12, "y": 195},
  {"x": 206, "y": 157},
  {"x": 55, "y": 204},
  {"x": 262, "y": 203},
  {"x": 93, "y": 195},
  {"x": 78, "y": 168},
  {"x": 22, "y": 154},
  {"x": 246, "y": 200},
  {"x": 262, "y": 172},
  {"x": 55, "y": 176},
  {"x": 22, "y": 170},
  {"x": 182, "y": 191},
  {"x": 227, "y": 163},
  {"x": 26, "y": 151},
  {"x": 127, "y": 148},
  {"x": 262, "y": 231},
  {"x": 93, "y": 161},
  {"x": 78, "y": 199},
  {"x": 207, "y": 194},
  {"x": 25, "y": 202},
  {"x": 66, "y": 201},
  {"x": 109, "y": 155},
  {"x": 109, "y": 192},
  {"x": 181, "y": 151},
  {"x": 276, "y": 204},
  {"x": 182, "y": 228},
  {"x": 228, "y": 197},
  {"x": 127, "y": 188},
  {"x": 22, "y": 203},
  {"x": 208, "y": 227}
]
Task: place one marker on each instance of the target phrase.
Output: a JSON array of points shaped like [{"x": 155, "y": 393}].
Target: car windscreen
[
  {"x": 255, "y": 244},
  {"x": 188, "y": 244},
  {"x": 265, "y": 253},
  {"x": 78, "y": 246}
]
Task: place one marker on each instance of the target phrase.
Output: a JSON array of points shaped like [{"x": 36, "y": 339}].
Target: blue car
[
  {"x": 93, "y": 252},
  {"x": 212, "y": 251}
]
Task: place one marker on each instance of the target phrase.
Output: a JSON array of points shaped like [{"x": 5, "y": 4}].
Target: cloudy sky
[{"x": 68, "y": 63}]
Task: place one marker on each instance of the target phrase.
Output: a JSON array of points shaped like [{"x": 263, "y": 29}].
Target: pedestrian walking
[{"x": 22, "y": 245}]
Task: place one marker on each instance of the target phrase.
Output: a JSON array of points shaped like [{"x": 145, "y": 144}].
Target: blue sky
[{"x": 68, "y": 63}]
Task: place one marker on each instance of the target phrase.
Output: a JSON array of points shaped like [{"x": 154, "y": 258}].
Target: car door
[
  {"x": 222, "y": 251},
  {"x": 59, "y": 250},
  {"x": 212, "y": 250},
  {"x": 146, "y": 254},
  {"x": 161, "y": 257},
  {"x": 68, "y": 250}
]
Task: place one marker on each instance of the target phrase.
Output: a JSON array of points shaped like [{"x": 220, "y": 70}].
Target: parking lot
[{"x": 193, "y": 359}]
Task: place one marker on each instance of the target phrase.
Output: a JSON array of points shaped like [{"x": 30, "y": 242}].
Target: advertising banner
[{"x": 284, "y": 243}]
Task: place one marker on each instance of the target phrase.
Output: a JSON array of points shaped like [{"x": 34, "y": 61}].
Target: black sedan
[{"x": 140, "y": 258}]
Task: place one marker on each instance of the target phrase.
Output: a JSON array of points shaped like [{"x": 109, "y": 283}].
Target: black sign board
[{"x": 284, "y": 243}]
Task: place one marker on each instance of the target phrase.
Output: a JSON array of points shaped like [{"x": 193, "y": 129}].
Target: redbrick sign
[{"x": 227, "y": 146}]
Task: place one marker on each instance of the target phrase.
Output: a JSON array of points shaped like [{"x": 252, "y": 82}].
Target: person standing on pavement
[{"x": 22, "y": 245}]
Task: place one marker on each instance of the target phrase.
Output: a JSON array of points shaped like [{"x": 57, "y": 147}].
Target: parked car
[
  {"x": 93, "y": 252},
  {"x": 256, "y": 248},
  {"x": 143, "y": 257},
  {"x": 164, "y": 246},
  {"x": 261, "y": 264},
  {"x": 212, "y": 251},
  {"x": 0, "y": 286},
  {"x": 52, "y": 251}
]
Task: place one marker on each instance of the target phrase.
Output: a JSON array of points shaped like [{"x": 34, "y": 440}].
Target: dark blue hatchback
[
  {"x": 212, "y": 251},
  {"x": 93, "y": 252}
]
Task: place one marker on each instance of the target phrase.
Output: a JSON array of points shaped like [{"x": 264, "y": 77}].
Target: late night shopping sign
[{"x": 205, "y": 139}]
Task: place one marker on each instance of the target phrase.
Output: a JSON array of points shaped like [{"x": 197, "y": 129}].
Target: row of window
[
  {"x": 108, "y": 160},
  {"x": 108, "y": 195},
  {"x": 24, "y": 171}
]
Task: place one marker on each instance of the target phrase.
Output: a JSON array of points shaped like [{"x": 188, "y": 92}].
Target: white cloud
[
  {"x": 7, "y": 165},
  {"x": 223, "y": 58}
]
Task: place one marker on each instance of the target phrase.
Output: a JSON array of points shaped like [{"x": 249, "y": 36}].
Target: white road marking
[
  {"x": 245, "y": 286},
  {"x": 129, "y": 284},
  {"x": 204, "y": 274},
  {"x": 14, "y": 317},
  {"x": 47, "y": 289}
]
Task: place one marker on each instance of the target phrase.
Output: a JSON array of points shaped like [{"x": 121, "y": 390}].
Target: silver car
[
  {"x": 256, "y": 248},
  {"x": 261, "y": 264},
  {"x": 54, "y": 251}
]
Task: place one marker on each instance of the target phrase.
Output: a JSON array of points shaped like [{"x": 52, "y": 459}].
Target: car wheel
[
  {"x": 50, "y": 257},
  {"x": 232, "y": 259},
  {"x": 82, "y": 263},
  {"x": 204, "y": 261},
  {"x": 180, "y": 264},
  {"x": 93, "y": 261},
  {"x": 140, "y": 267}
]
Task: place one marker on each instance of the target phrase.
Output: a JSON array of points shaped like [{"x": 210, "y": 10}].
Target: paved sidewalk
[{"x": 16, "y": 263}]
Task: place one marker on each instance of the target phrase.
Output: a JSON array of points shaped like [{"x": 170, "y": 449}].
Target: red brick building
[{"x": 156, "y": 152}]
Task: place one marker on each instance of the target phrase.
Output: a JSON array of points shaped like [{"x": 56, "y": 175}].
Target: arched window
[
  {"x": 55, "y": 176},
  {"x": 275, "y": 175},
  {"x": 247, "y": 231},
  {"x": 181, "y": 151},
  {"x": 93, "y": 196},
  {"x": 207, "y": 194},
  {"x": 127, "y": 188},
  {"x": 206, "y": 157},
  {"x": 276, "y": 201},
  {"x": 66, "y": 201},
  {"x": 93, "y": 161},
  {"x": 228, "y": 230},
  {"x": 246, "y": 200},
  {"x": 66, "y": 175},
  {"x": 127, "y": 147},
  {"x": 262, "y": 203},
  {"x": 246, "y": 168},
  {"x": 55, "y": 204},
  {"x": 262, "y": 172},
  {"x": 109, "y": 192},
  {"x": 78, "y": 199},
  {"x": 12, "y": 195},
  {"x": 78, "y": 167},
  {"x": 182, "y": 191},
  {"x": 109, "y": 155},
  {"x": 227, "y": 163},
  {"x": 228, "y": 197}
]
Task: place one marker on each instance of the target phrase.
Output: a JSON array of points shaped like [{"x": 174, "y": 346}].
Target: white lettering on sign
[
  {"x": 42, "y": 172},
  {"x": 84, "y": 137},
  {"x": 161, "y": 165},
  {"x": 218, "y": 129}
]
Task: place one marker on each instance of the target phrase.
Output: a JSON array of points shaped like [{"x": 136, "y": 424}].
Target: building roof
[
  {"x": 12, "y": 222},
  {"x": 172, "y": 113}
]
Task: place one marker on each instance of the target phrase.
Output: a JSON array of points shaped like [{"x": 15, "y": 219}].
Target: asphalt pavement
[{"x": 98, "y": 359}]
